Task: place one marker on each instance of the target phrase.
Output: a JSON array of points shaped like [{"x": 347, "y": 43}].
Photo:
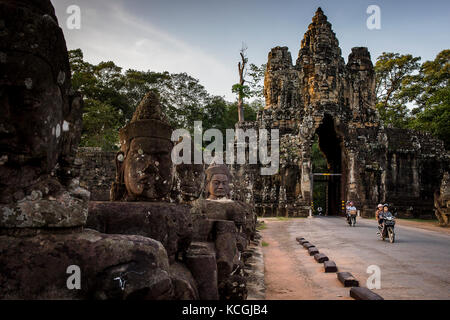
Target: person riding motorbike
[
  {"x": 382, "y": 215},
  {"x": 378, "y": 213},
  {"x": 351, "y": 211}
]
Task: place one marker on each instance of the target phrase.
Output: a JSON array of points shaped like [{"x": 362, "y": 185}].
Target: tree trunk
[{"x": 240, "y": 105}]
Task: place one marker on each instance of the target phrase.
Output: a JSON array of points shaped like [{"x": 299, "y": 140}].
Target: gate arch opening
[{"x": 330, "y": 185}]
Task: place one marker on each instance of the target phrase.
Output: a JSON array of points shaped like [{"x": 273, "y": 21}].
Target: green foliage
[
  {"x": 111, "y": 97},
  {"x": 319, "y": 165},
  {"x": 435, "y": 117},
  {"x": 392, "y": 72},
  {"x": 318, "y": 159},
  {"x": 100, "y": 125},
  {"x": 242, "y": 91},
  {"x": 401, "y": 81},
  {"x": 257, "y": 80},
  {"x": 262, "y": 226}
]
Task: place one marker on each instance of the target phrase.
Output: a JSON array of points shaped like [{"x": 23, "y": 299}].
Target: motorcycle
[
  {"x": 351, "y": 219},
  {"x": 387, "y": 230}
]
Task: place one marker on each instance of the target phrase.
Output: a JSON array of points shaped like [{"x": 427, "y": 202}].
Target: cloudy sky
[{"x": 203, "y": 37}]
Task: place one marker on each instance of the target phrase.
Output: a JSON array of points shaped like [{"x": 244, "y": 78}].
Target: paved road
[{"x": 416, "y": 266}]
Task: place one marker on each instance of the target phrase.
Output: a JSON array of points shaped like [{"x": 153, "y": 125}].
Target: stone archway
[{"x": 330, "y": 144}]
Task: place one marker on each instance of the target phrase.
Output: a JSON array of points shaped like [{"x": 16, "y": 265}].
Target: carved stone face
[
  {"x": 31, "y": 124},
  {"x": 191, "y": 177},
  {"x": 218, "y": 187},
  {"x": 148, "y": 168}
]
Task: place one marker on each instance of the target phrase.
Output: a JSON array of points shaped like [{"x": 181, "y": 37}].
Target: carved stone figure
[
  {"x": 442, "y": 201},
  {"x": 190, "y": 179},
  {"x": 144, "y": 164},
  {"x": 42, "y": 207},
  {"x": 218, "y": 179},
  {"x": 227, "y": 226},
  {"x": 40, "y": 123}
]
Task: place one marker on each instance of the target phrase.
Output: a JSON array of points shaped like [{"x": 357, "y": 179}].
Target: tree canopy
[
  {"x": 414, "y": 95},
  {"x": 111, "y": 95},
  {"x": 409, "y": 95}
]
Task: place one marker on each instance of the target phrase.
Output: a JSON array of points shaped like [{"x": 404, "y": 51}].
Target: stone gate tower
[{"x": 321, "y": 95}]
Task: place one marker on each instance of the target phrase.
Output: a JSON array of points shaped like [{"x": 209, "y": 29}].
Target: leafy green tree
[
  {"x": 138, "y": 83},
  {"x": 183, "y": 99},
  {"x": 435, "y": 116},
  {"x": 256, "y": 84},
  {"x": 105, "y": 108},
  {"x": 401, "y": 81},
  {"x": 433, "y": 76},
  {"x": 100, "y": 125},
  {"x": 111, "y": 96},
  {"x": 393, "y": 71},
  {"x": 431, "y": 92}
]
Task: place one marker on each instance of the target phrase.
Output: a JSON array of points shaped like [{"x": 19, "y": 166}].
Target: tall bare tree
[{"x": 240, "y": 87}]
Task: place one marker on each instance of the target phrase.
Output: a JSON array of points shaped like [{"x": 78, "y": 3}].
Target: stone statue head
[
  {"x": 36, "y": 102},
  {"x": 218, "y": 179},
  {"x": 144, "y": 164},
  {"x": 190, "y": 178},
  {"x": 40, "y": 123}
]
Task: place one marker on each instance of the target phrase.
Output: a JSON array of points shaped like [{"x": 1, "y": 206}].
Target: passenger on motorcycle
[
  {"x": 378, "y": 213},
  {"x": 382, "y": 215},
  {"x": 351, "y": 209}
]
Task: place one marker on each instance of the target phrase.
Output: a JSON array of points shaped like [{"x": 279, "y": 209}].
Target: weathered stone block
[
  {"x": 184, "y": 285},
  {"x": 112, "y": 267},
  {"x": 361, "y": 293},
  {"x": 329, "y": 266},
  {"x": 171, "y": 224},
  {"x": 226, "y": 250},
  {"x": 320, "y": 257},
  {"x": 308, "y": 245},
  {"x": 313, "y": 251},
  {"x": 347, "y": 279},
  {"x": 201, "y": 261}
]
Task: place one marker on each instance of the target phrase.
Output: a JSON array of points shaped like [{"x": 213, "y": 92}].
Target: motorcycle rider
[
  {"x": 351, "y": 209},
  {"x": 382, "y": 215},
  {"x": 377, "y": 215}
]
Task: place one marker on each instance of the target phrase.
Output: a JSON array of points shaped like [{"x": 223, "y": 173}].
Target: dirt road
[{"x": 415, "y": 267}]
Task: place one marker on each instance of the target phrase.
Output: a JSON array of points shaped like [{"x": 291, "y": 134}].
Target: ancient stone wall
[
  {"x": 97, "y": 171},
  {"x": 321, "y": 95}
]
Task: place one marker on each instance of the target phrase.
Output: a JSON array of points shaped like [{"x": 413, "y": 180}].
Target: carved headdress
[
  {"x": 217, "y": 169},
  {"x": 147, "y": 121}
]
